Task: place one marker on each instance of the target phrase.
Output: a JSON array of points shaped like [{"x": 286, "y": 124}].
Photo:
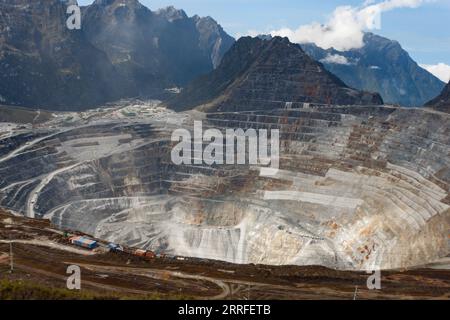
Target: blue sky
[{"x": 423, "y": 31}]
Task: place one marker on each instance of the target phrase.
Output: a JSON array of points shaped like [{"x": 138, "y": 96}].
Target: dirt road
[{"x": 42, "y": 255}]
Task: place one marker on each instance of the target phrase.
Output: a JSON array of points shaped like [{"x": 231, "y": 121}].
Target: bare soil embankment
[{"x": 41, "y": 255}]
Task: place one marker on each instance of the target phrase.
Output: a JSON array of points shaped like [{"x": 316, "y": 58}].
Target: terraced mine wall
[{"x": 358, "y": 187}]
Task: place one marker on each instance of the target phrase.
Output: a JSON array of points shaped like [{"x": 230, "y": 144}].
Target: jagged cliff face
[
  {"x": 441, "y": 102},
  {"x": 164, "y": 47},
  {"x": 122, "y": 50},
  {"x": 42, "y": 63},
  {"x": 359, "y": 187},
  {"x": 213, "y": 39},
  {"x": 259, "y": 74},
  {"x": 118, "y": 29},
  {"x": 382, "y": 66}
]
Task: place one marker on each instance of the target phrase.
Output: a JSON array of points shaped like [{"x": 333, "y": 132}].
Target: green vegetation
[
  {"x": 25, "y": 290},
  {"x": 23, "y": 115}
]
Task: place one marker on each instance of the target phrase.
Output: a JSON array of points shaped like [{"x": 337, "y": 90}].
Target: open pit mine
[{"x": 359, "y": 187}]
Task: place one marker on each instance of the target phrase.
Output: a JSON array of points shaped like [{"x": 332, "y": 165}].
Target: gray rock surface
[
  {"x": 359, "y": 187},
  {"x": 258, "y": 74},
  {"x": 153, "y": 49},
  {"x": 42, "y": 63},
  {"x": 382, "y": 66},
  {"x": 122, "y": 50}
]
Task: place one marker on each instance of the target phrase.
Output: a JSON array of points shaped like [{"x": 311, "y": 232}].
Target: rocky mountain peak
[
  {"x": 213, "y": 37},
  {"x": 45, "y": 64},
  {"x": 171, "y": 13},
  {"x": 383, "y": 66},
  {"x": 118, "y": 9},
  {"x": 123, "y": 50},
  {"x": 371, "y": 39},
  {"x": 258, "y": 74},
  {"x": 130, "y": 3}
]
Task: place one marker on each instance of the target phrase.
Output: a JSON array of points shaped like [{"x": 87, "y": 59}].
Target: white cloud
[
  {"x": 335, "y": 59},
  {"x": 440, "y": 70},
  {"x": 345, "y": 28}
]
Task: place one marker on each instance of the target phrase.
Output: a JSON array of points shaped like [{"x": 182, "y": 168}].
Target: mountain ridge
[
  {"x": 43, "y": 63},
  {"x": 442, "y": 101},
  {"x": 254, "y": 71},
  {"x": 122, "y": 50},
  {"x": 383, "y": 66}
]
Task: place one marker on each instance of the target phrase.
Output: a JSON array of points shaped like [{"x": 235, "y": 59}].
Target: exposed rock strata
[{"x": 359, "y": 187}]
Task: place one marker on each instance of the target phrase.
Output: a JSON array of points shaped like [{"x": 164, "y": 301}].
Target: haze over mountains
[
  {"x": 382, "y": 66},
  {"x": 154, "y": 49},
  {"x": 126, "y": 50},
  {"x": 258, "y": 74},
  {"x": 122, "y": 50},
  {"x": 42, "y": 63}
]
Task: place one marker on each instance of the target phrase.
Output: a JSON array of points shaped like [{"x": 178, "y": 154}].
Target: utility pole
[
  {"x": 356, "y": 292},
  {"x": 11, "y": 256}
]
